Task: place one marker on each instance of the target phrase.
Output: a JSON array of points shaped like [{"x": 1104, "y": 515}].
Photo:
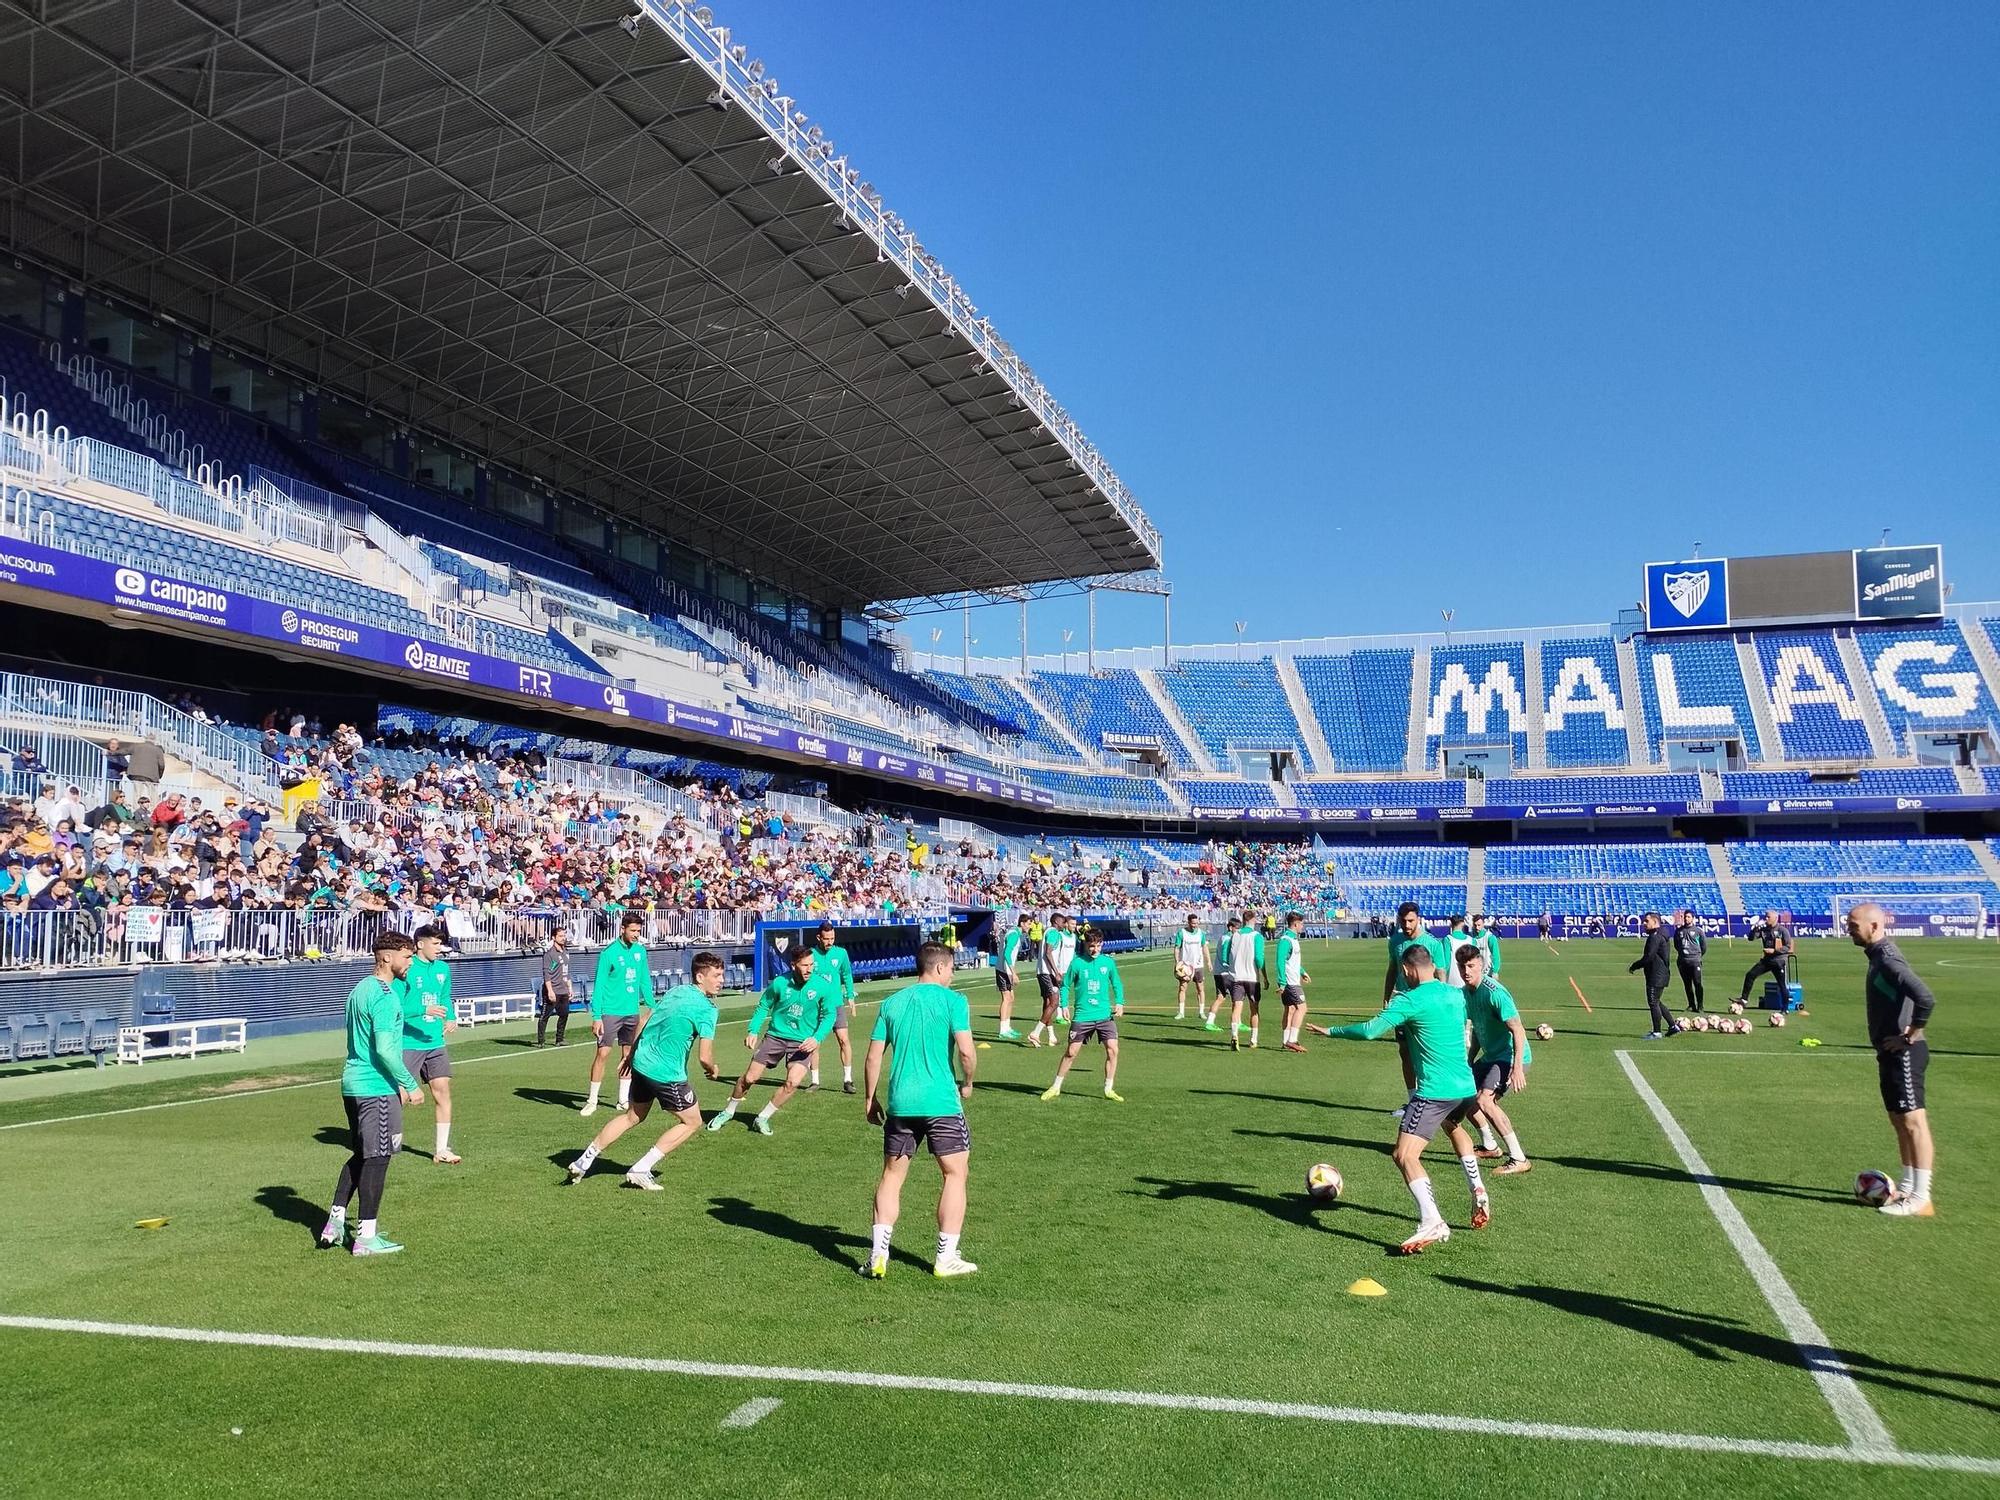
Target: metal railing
[
  {"x": 133, "y": 717},
  {"x": 115, "y": 938},
  {"x": 709, "y": 45}
]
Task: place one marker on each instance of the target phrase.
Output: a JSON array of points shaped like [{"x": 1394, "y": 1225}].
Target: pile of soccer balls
[
  {"x": 1720, "y": 1025},
  {"x": 1323, "y": 1183}
]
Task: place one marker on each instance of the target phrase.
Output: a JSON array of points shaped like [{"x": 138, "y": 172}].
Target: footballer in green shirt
[
  {"x": 923, "y": 1027},
  {"x": 1429, "y": 1015},
  {"x": 1094, "y": 996},
  {"x": 1409, "y": 930},
  {"x": 623, "y": 987},
  {"x": 1014, "y": 947},
  {"x": 792, "y": 1018},
  {"x": 1241, "y": 964},
  {"x": 658, "y": 1069},
  {"x": 428, "y": 1018},
  {"x": 1293, "y": 979},
  {"x": 1502, "y": 1054},
  {"x": 834, "y": 969},
  {"x": 374, "y": 1087}
]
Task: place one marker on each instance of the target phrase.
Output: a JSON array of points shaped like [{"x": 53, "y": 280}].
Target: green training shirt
[
  {"x": 919, "y": 1023},
  {"x": 374, "y": 1041},
  {"x": 834, "y": 964},
  {"x": 623, "y": 983},
  {"x": 1010, "y": 950},
  {"x": 429, "y": 983},
  {"x": 683, "y": 1014},
  {"x": 1291, "y": 966},
  {"x": 1434, "y": 1015},
  {"x": 1091, "y": 988},
  {"x": 795, "y": 1011},
  {"x": 1490, "y": 1008},
  {"x": 1398, "y": 943}
]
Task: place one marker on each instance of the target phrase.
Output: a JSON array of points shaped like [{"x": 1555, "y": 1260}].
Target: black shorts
[
  {"x": 427, "y": 1064},
  {"x": 1050, "y": 987},
  {"x": 1293, "y": 994},
  {"x": 1003, "y": 981},
  {"x": 1902, "y": 1077},
  {"x": 675, "y": 1098},
  {"x": 1490, "y": 1075},
  {"x": 1425, "y": 1117},
  {"x": 1103, "y": 1031},
  {"x": 376, "y": 1123},
  {"x": 1242, "y": 990},
  {"x": 948, "y": 1135},
  {"x": 777, "y": 1051},
  {"x": 619, "y": 1031}
]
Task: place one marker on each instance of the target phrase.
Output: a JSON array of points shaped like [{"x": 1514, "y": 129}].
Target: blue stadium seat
[
  {"x": 1478, "y": 695},
  {"x": 1235, "y": 704},
  {"x": 1362, "y": 702},
  {"x": 1692, "y": 688},
  {"x": 1813, "y": 705},
  {"x": 1583, "y": 719}
]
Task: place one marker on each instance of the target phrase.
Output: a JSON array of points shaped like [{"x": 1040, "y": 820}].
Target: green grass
[{"x": 1159, "y": 1246}]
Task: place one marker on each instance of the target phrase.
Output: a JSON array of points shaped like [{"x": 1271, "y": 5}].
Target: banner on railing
[{"x": 138, "y": 591}]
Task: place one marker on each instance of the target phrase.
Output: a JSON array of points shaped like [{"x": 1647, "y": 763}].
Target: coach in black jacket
[{"x": 1657, "y": 962}]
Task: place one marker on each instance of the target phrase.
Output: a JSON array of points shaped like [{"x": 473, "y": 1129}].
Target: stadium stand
[
  {"x": 1813, "y": 705},
  {"x": 1362, "y": 702},
  {"x": 1692, "y": 688},
  {"x": 1477, "y": 697},
  {"x": 1583, "y": 722},
  {"x": 1111, "y": 703},
  {"x": 1926, "y": 678},
  {"x": 1234, "y": 705}
]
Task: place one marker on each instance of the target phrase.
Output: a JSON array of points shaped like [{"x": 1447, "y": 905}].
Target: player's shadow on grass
[
  {"x": 559, "y": 1098},
  {"x": 1657, "y": 1173},
  {"x": 994, "y": 1085},
  {"x": 1708, "y": 1336},
  {"x": 287, "y": 1204},
  {"x": 1288, "y": 1208},
  {"x": 1362, "y": 1109},
  {"x": 333, "y": 1135},
  {"x": 826, "y": 1240},
  {"x": 1382, "y": 1146}
]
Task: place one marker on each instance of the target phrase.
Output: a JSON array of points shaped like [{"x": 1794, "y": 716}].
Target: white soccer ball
[
  {"x": 1873, "y": 1188},
  {"x": 1736, "y": 1007},
  {"x": 1700, "y": 1023},
  {"x": 1545, "y": 1031},
  {"x": 1182, "y": 973},
  {"x": 1680, "y": 1024},
  {"x": 1323, "y": 1183},
  {"x": 1777, "y": 1018}
]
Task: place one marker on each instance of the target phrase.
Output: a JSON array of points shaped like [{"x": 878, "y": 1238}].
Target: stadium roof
[{"x": 588, "y": 239}]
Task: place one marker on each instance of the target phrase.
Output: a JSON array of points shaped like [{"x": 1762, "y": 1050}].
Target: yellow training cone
[
  {"x": 150, "y": 1224},
  {"x": 985, "y": 1046},
  {"x": 1367, "y": 1287}
]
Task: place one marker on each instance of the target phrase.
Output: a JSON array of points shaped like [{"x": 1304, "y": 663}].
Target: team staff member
[
  {"x": 557, "y": 989},
  {"x": 1690, "y": 947},
  {"x": 374, "y": 1087},
  {"x": 427, "y": 1021},
  {"x": 1899, "y": 1007},
  {"x": 836, "y": 971},
  {"x": 922, "y": 1027},
  {"x": 1007, "y": 975},
  {"x": 622, "y": 988},
  {"x": 1777, "y": 941},
  {"x": 1655, "y": 961}
]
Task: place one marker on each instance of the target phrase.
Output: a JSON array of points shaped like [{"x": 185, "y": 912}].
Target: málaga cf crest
[{"x": 1686, "y": 591}]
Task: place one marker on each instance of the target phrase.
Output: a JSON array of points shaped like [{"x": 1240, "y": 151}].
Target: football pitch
[{"x": 1681, "y": 1298}]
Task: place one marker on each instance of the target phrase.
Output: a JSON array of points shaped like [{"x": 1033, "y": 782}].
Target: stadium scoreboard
[{"x": 1866, "y": 583}]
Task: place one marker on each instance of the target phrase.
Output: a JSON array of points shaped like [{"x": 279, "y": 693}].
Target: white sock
[
  {"x": 847, "y": 1072},
  {"x": 1108, "y": 1088},
  {"x": 1471, "y": 1165},
  {"x": 1514, "y": 1151},
  {"x": 338, "y": 1213},
  {"x": 1057, "y": 1085},
  {"x": 593, "y": 1095},
  {"x": 1235, "y": 1028},
  {"x": 582, "y": 1163},
  {"x": 726, "y": 1111},
  {"x": 1427, "y": 1203},
  {"x": 767, "y": 1111},
  {"x": 1486, "y": 1138},
  {"x": 815, "y": 1077},
  {"x": 880, "y": 1245},
  {"x": 624, "y": 1093},
  {"x": 649, "y": 1161},
  {"x": 443, "y": 1137},
  {"x": 367, "y": 1231},
  {"x": 1035, "y": 1032},
  {"x": 947, "y": 1246},
  {"x": 1920, "y": 1183},
  {"x": 1253, "y": 1033},
  {"x": 1908, "y": 1184}
]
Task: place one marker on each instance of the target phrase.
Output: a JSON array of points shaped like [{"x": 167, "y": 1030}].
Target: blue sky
[{"x": 1384, "y": 309}]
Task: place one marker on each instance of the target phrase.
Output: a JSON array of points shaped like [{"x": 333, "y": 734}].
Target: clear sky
[{"x": 1383, "y": 309}]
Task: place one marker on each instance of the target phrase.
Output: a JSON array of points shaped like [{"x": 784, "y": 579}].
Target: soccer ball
[
  {"x": 1181, "y": 973},
  {"x": 1777, "y": 1018},
  {"x": 1544, "y": 1031},
  {"x": 1736, "y": 1007},
  {"x": 1700, "y": 1023},
  {"x": 1322, "y": 1183},
  {"x": 1680, "y": 1023},
  {"x": 1873, "y": 1188}
]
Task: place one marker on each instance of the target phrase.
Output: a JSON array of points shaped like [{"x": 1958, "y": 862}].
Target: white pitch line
[
  {"x": 1684, "y": 1442},
  {"x": 753, "y": 1411},
  {"x": 1864, "y": 1428}
]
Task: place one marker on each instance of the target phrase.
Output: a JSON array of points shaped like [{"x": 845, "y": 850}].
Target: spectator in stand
[
  {"x": 170, "y": 812},
  {"x": 148, "y": 765},
  {"x": 116, "y": 764}
]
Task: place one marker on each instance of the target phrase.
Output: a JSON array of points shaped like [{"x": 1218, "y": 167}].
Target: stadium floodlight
[
  {"x": 631, "y": 24},
  {"x": 777, "y": 166},
  {"x": 719, "y": 99}
]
